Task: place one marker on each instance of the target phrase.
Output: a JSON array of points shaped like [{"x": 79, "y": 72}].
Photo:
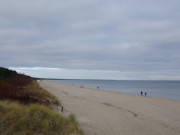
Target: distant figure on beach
[
  {"x": 97, "y": 87},
  {"x": 141, "y": 93},
  {"x": 145, "y": 93}
]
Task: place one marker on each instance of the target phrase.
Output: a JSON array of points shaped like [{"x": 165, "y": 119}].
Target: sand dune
[{"x": 102, "y": 112}]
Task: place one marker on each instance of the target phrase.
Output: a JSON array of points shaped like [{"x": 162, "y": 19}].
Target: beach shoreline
[
  {"x": 104, "y": 112},
  {"x": 155, "y": 88},
  {"x": 114, "y": 91}
]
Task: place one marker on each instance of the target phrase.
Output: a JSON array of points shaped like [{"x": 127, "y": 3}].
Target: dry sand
[{"x": 102, "y": 112}]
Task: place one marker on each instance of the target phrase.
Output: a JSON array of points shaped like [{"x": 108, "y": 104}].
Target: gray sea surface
[{"x": 163, "y": 89}]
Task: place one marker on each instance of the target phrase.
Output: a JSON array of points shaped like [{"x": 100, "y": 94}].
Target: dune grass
[
  {"x": 25, "y": 89},
  {"x": 41, "y": 93},
  {"x": 34, "y": 119},
  {"x": 25, "y": 108}
]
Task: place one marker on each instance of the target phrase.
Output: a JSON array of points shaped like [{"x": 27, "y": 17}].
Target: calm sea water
[{"x": 164, "y": 89}]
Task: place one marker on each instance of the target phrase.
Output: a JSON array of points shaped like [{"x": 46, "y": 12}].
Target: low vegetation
[
  {"x": 4, "y": 73},
  {"x": 25, "y": 89},
  {"x": 25, "y": 108},
  {"x": 34, "y": 119},
  {"x": 43, "y": 95}
]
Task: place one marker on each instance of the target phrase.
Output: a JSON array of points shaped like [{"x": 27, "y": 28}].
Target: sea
[{"x": 162, "y": 89}]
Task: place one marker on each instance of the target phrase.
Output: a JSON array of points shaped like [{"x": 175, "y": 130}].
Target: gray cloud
[{"x": 126, "y": 36}]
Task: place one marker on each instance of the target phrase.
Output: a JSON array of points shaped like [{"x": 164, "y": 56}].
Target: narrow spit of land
[{"x": 102, "y": 112}]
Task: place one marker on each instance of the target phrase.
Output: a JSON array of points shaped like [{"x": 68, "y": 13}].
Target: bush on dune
[
  {"x": 4, "y": 73},
  {"x": 25, "y": 89},
  {"x": 7, "y": 90},
  {"x": 19, "y": 80}
]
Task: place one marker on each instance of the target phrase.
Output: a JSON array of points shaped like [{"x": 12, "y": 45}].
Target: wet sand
[{"x": 101, "y": 112}]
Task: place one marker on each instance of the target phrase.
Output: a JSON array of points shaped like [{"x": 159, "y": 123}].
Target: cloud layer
[{"x": 131, "y": 37}]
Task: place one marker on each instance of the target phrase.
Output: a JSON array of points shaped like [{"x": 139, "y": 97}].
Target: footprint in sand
[{"x": 110, "y": 105}]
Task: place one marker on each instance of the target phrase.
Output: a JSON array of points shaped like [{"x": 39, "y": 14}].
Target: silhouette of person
[
  {"x": 141, "y": 93},
  {"x": 145, "y": 93}
]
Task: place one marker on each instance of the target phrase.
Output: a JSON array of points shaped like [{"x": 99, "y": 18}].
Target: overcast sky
[{"x": 92, "y": 39}]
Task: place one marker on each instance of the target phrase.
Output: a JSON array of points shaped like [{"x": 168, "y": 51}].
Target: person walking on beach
[
  {"x": 141, "y": 93},
  {"x": 145, "y": 93}
]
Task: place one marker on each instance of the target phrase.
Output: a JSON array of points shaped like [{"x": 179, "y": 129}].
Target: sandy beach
[{"x": 101, "y": 112}]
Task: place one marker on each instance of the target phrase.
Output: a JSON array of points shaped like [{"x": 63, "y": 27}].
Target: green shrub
[{"x": 4, "y": 73}]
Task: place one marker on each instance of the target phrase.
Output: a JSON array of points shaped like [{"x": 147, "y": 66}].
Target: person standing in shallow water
[{"x": 141, "y": 93}]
